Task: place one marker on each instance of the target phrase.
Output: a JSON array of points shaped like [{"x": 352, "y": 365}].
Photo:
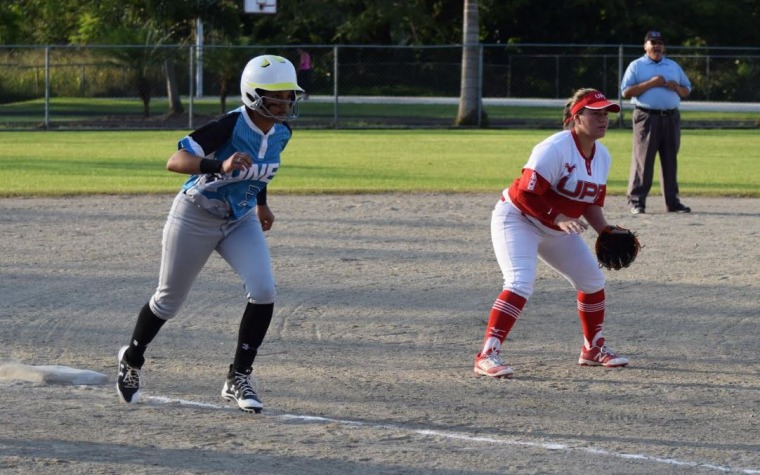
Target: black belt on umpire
[{"x": 658, "y": 111}]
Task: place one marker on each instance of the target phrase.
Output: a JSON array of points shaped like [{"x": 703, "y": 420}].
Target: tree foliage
[
  {"x": 391, "y": 22},
  {"x": 155, "y": 25}
]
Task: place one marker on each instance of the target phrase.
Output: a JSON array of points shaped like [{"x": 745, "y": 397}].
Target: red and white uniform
[
  {"x": 559, "y": 179},
  {"x": 556, "y": 179}
]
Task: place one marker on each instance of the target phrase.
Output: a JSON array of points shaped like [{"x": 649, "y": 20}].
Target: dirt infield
[{"x": 367, "y": 368}]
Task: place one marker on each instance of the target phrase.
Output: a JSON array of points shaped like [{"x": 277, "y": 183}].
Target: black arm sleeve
[
  {"x": 216, "y": 133},
  {"x": 261, "y": 197}
]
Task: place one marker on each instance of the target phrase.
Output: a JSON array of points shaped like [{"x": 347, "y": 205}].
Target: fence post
[
  {"x": 480, "y": 83},
  {"x": 707, "y": 76},
  {"x": 335, "y": 86},
  {"x": 190, "y": 90},
  {"x": 199, "y": 53},
  {"x": 47, "y": 87},
  {"x": 620, "y": 81}
]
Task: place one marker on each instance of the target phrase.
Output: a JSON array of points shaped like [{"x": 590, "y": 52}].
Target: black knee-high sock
[
  {"x": 253, "y": 328},
  {"x": 146, "y": 328}
]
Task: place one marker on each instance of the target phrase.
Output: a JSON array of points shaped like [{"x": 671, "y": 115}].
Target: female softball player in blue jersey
[{"x": 222, "y": 207}]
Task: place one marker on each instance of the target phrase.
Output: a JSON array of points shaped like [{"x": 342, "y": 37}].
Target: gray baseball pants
[{"x": 190, "y": 235}]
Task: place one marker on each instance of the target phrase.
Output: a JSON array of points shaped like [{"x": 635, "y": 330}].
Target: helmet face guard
[
  {"x": 270, "y": 73},
  {"x": 261, "y": 103}
]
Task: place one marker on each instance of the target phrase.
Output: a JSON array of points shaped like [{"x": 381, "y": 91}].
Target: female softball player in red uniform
[
  {"x": 222, "y": 207},
  {"x": 559, "y": 194}
]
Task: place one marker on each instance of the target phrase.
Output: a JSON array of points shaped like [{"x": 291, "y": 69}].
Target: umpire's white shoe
[
  {"x": 128, "y": 382},
  {"x": 239, "y": 388},
  {"x": 492, "y": 365},
  {"x": 601, "y": 356}
]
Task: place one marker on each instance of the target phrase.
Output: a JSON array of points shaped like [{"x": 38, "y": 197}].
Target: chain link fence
[{"x": 181, "y": 87}]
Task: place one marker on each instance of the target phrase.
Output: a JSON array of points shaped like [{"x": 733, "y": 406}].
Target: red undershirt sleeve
[
  {"x": 527, "y": 194},
  {"x": 602, "y": 195}
]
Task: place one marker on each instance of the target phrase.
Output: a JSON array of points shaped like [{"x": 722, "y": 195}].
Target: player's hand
[
  {"x": 266, "y": 217},
  {"x": 236, "y": 161},
  {"x": 570, "y": 225}
]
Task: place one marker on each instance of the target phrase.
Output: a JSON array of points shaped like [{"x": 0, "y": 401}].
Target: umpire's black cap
[{"x": 654, "y": 36}]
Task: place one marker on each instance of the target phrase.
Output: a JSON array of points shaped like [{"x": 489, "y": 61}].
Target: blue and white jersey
[{"x": 233, "y": 195}]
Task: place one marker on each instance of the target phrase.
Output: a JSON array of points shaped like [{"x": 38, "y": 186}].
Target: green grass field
[{"x": 711, "y": 162}]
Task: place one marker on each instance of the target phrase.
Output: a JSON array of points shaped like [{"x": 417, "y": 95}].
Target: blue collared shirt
[{"x": 644, "y": 69}]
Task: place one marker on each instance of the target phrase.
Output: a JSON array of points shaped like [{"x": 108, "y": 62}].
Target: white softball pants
[
  {"x": 190, "y": 236},
  {"x": 518, "y": 243}
]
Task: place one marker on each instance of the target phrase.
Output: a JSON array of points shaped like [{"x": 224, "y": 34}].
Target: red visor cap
[{"x": 594, "y": 100}]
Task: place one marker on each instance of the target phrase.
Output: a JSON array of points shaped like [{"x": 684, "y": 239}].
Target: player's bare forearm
[
  {"x": 595, "y": 217},
  {"x": 185, "y": 162}
]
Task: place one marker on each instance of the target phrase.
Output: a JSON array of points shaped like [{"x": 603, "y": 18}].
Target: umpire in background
[{"x": 655, "y": 85}]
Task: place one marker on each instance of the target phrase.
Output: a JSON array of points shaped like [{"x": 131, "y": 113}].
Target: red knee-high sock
[
  {"x": 591, "y": 314},
  {"x": 504, "y": 313}
]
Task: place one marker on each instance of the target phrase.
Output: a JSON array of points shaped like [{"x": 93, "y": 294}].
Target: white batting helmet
[{"x": 269, "y": 73}]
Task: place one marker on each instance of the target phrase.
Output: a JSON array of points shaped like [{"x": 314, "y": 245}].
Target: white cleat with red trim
[
  {"x": 601, "y": 356},
  {"x": 491, "y": 364}
]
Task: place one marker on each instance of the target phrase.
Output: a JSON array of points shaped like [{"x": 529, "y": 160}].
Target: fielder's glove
[{"x": 616, "y": 248}]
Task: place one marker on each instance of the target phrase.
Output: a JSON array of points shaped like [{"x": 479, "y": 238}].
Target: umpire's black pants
[{"x": 654, "y": 132}]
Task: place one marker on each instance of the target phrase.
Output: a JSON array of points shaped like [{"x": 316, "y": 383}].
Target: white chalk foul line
[{"x": 470, "y": 438}]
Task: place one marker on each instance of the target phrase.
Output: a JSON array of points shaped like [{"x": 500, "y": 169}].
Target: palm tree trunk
[{"x": 470, "y": 101}]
